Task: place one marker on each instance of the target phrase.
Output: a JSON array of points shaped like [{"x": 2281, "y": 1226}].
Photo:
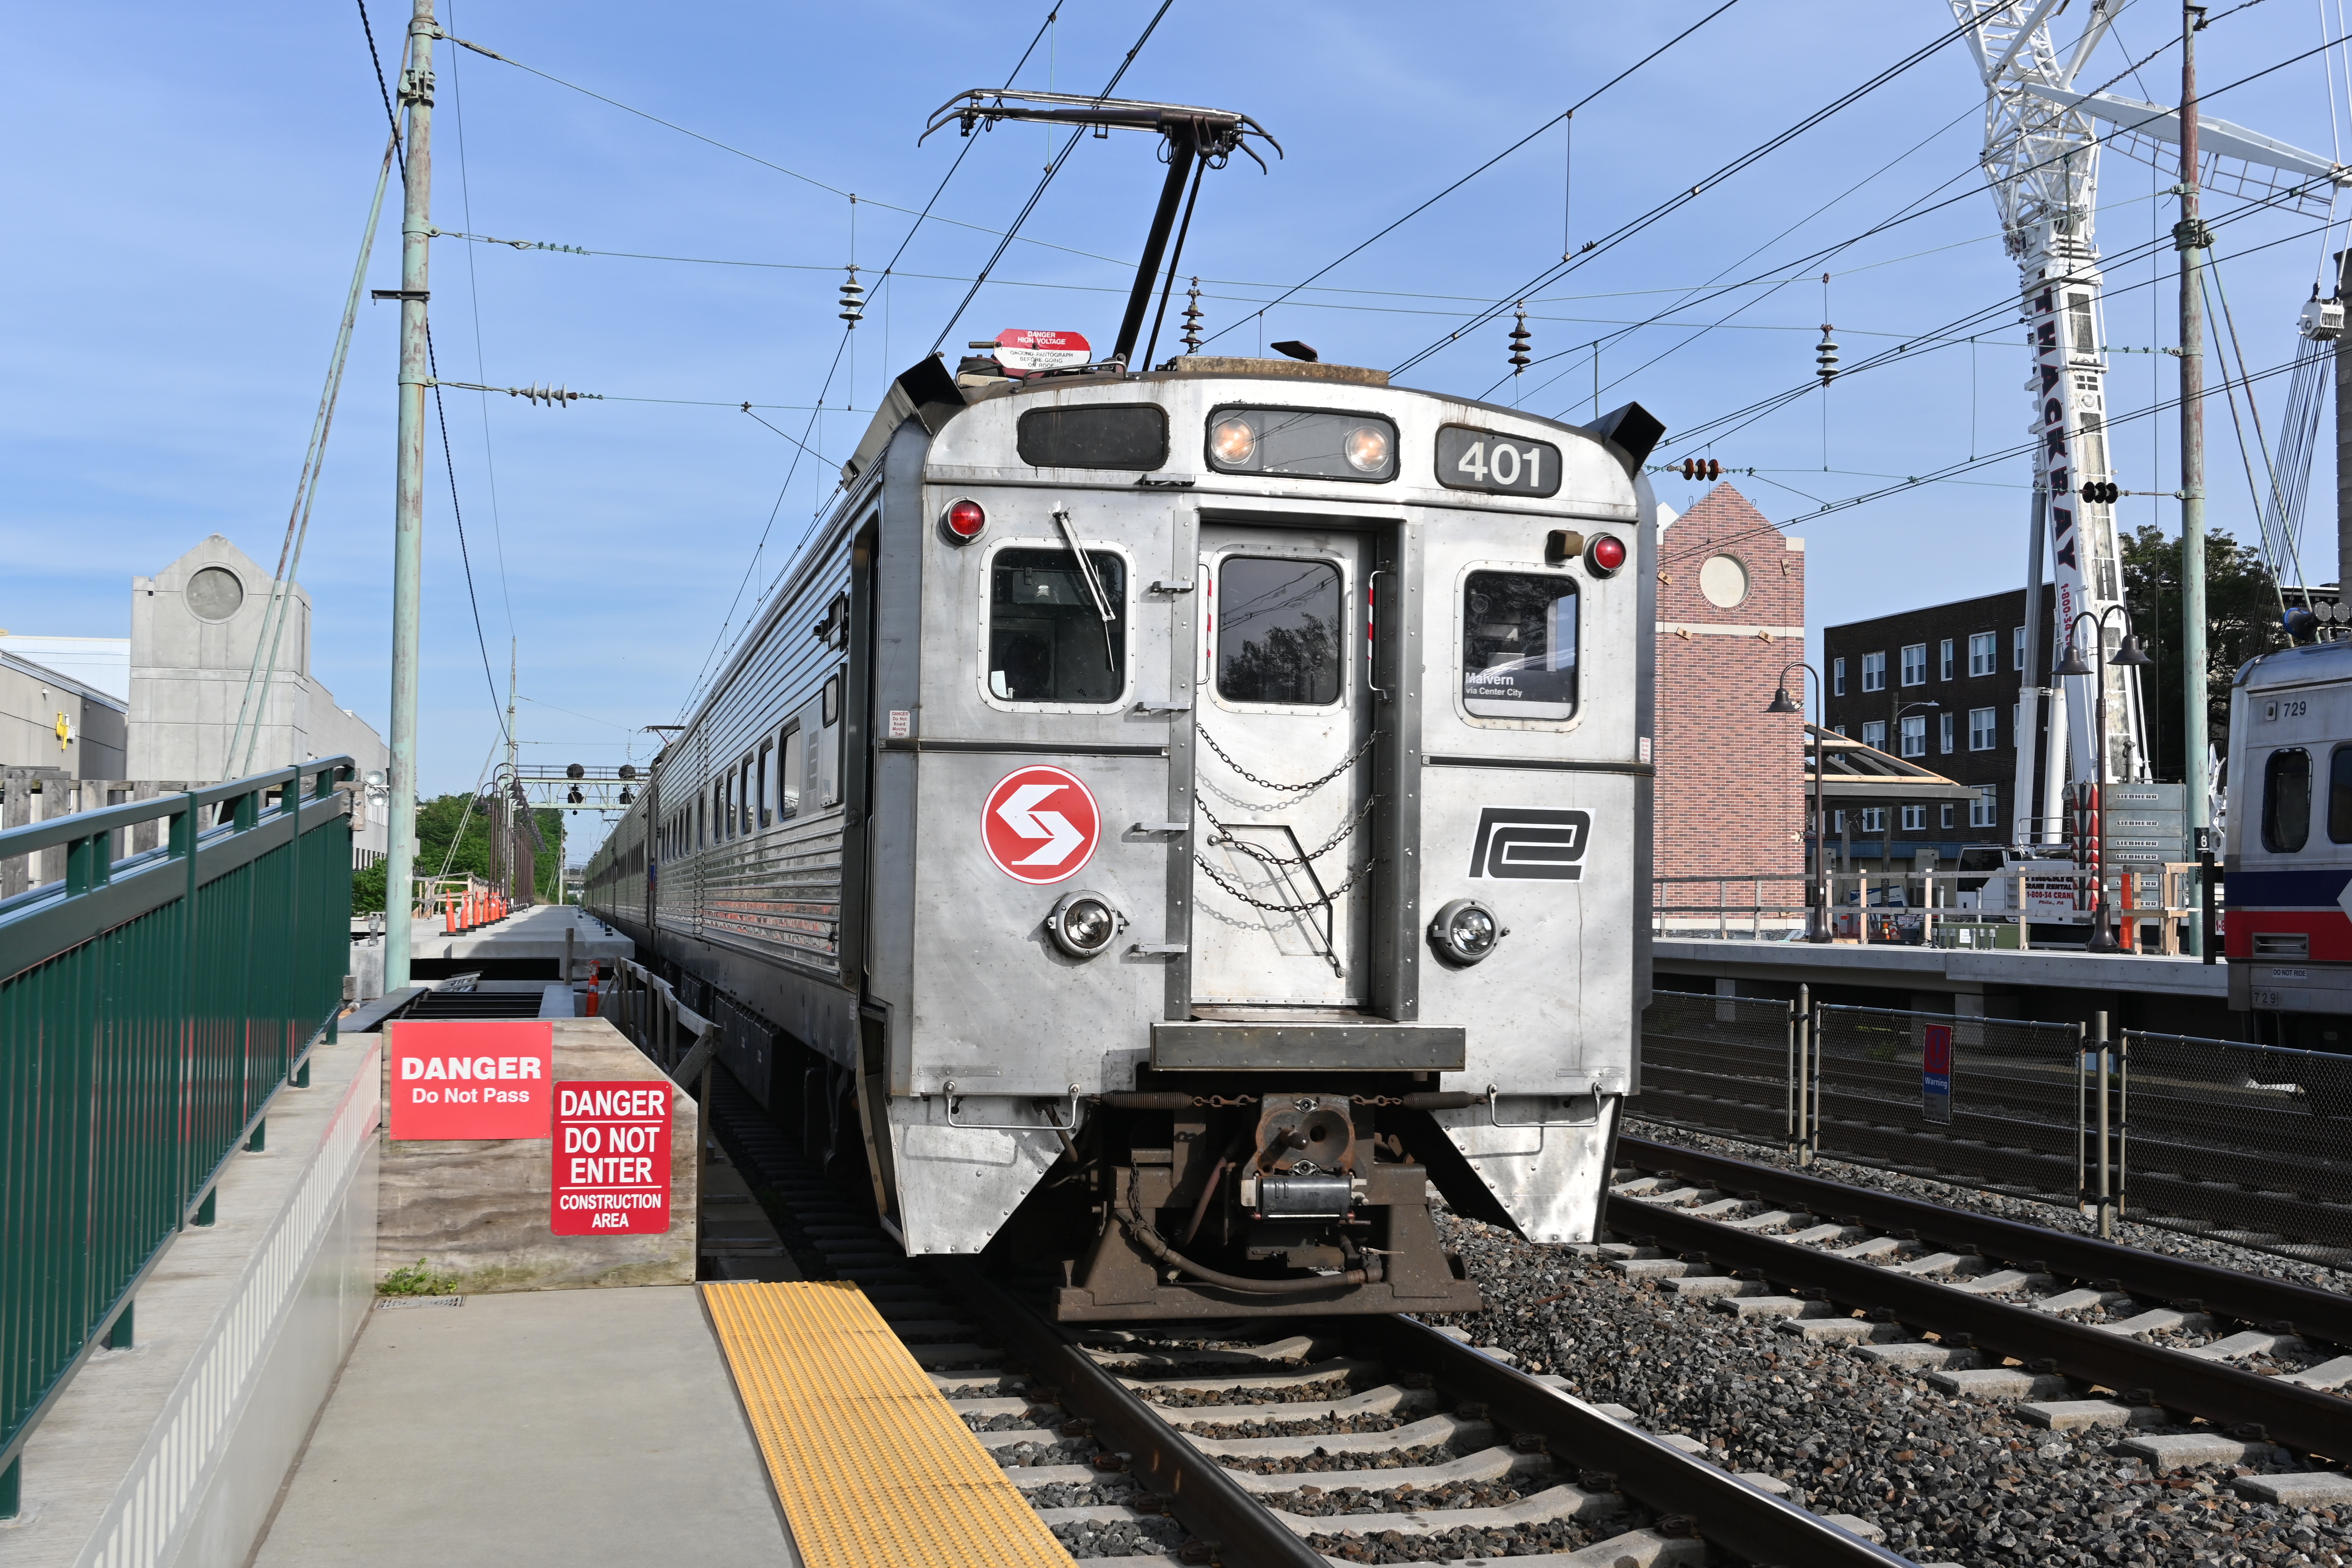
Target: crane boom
[{"x": 2042, "y": 158}]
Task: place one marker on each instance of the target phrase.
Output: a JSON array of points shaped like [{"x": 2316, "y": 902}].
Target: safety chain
[
  {"x": 1300, "y": 789},
  {"x": 1225, "y": 835},
  {"x": 1326, "y": 900}
]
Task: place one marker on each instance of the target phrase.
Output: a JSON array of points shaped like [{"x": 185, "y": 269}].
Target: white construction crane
[{"x": 2042, "y": 157}]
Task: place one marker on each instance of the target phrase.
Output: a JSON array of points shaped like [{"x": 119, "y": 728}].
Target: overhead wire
[{"x": 474, "y": 303}]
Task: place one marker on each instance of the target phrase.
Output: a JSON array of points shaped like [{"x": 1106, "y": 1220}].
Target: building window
[
  {"x": 1839, "y": 731},
  {"x": 1874, "y": 734},
  {"x": 1944, "y": 660},
  {"x": 1914, "y": 664},
  {"x": 1945, "y": 723},
  {"x": 2017, "y": 647},
  {"x": 1915, "y": 734},
  {"x": 1873, "y": 820},
  {"x": 1837, "y": 822},
  {"x": 1915, "y": 819},
  {"x": 1837, "y": 678},
  {"x": 1985, "y": 810},
  {"x": 1981, "y": 730},
  {"x": 1980, "y": 653},
  {"x": 1946, "y": 815},
  {"x": 1873, "y": 672}
]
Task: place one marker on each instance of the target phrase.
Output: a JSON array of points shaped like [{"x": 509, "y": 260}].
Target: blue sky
[{"x": 190, "y": 188}]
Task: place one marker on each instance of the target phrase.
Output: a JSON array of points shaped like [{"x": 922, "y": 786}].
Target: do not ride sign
[{"x": 612, "y": 1158}]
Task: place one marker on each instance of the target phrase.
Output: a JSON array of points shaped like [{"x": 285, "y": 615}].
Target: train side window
[
  {"x": 766, "y": 786},
  {"x": 827, "y": 778},
  {"x": 746, "y": 810},
  {"x": 1280, "y": 630},
  {"x": 788, "y": 774},
  {"x": 2286, "y": 800},
  {"x": 1046, "y": 638},
  {"x": 2339, "y": 796},
  {"x": 1519, "y": 645}
]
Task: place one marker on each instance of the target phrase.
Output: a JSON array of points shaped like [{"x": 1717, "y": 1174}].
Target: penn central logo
[{"x": 1522, "y": 842}]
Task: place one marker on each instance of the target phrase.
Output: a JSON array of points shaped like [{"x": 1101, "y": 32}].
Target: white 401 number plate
[{"x": 1470, "y": 460}]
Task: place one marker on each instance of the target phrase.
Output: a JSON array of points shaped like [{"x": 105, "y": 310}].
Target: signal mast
[{"x": 2041, "y": 159}]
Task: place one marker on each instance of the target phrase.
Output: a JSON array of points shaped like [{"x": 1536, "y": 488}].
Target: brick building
[
  {"x": 1940, "y": 687},
  {"x": 1731, "y": 616}
]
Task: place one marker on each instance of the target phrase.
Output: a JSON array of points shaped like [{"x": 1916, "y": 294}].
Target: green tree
[
  {"x": 2241, "y": 620},
  {"x": 437, "y": 823}
]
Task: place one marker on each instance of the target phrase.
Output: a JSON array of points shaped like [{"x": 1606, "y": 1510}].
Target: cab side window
[
  {"x": 1047, "y": 638},
  {"x": 2339, "y": 796},
  {"x": 2286, "y": 800},
  {"x": 1519, "y": 646}
]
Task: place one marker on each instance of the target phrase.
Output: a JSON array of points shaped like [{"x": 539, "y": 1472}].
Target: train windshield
[
  {"x": 1519, "y": 646},
  {"x": 1278, "y": 630},
  {"x": 1047, "y": 641}
]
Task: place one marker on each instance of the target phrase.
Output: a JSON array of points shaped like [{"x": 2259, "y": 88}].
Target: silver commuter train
[{"x": 1168, "y": 822}]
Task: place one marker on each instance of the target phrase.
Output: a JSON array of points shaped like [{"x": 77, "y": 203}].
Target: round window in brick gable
[
  {"x": 215, "y": 593},
  {"x": 1724, "y": 581}
]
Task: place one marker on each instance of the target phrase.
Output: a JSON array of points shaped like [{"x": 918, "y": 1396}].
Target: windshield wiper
[{"x": 1086, "y": 570}]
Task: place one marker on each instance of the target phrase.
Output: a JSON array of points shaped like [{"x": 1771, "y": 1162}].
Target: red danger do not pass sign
[
  {"x": 1040, "y": 824},
  {"x": 471, "y": 1078},
  {"x": 612, "y": 1158}
]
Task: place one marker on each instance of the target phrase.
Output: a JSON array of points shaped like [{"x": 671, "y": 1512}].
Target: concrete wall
[
  {"x": 193, "y": 629},
  {"x": 1730, "y": 798},
  {"x": 33, "y": 698}
]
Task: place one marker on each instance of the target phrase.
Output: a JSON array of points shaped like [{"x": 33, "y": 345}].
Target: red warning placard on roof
[{"x": 1023, "y": 351}]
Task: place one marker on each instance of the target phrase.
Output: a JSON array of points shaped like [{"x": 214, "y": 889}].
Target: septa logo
[{"x": 1524, "y": 843}]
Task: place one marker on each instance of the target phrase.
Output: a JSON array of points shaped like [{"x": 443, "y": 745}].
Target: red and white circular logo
[{"x": 1040, "y": 825}]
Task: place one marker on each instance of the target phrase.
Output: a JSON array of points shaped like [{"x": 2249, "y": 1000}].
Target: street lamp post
[
  {"x": 2103, "y": 936},
  {"x": 1817, "y": 925}
]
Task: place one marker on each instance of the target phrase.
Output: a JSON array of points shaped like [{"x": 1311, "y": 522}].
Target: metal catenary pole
[
  {"x": 408, "y": 492},
  {"x": 2190, "y": 237}
]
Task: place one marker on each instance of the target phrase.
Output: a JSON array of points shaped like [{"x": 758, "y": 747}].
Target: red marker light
[
  {"x": 1605, "y": 555},
  {"x": 965, "y": 520}
]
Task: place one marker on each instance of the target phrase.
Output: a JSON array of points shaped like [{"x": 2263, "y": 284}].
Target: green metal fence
[{"x": 148, "y": 1009}]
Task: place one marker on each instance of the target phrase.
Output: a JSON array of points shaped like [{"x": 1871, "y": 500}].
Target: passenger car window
[
  {"x": 1046, "y": 640},
  {"x": 1519, "y": 646},
  {"x": 2286, "y": 800},
  {"x": 2339, "y": 796},
  {"x": 1279, "y": 623},
  {"x": 788, "y": 775}
]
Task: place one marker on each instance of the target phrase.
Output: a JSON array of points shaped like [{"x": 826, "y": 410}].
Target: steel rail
[
  {"x": 2286, "y": 1413},
  {"x": 2312, "y": 1313},
  {"x": 1719, "y": 1506},
  {"x": 1198, "y": 1492}
]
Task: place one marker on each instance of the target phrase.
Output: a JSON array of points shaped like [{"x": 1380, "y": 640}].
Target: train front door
[{"x": 1283, "y": 771}]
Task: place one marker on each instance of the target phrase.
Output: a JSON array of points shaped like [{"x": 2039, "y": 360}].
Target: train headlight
[
  {"x": 1234, "y": 441},
  {"x": 1466, "y": 932},
  {"x": 1083, "y": 924},
  {"x": 963, "y": 520},
  {"x": 1367, "y": 448},
  {"x": 1604, "y": 554}
]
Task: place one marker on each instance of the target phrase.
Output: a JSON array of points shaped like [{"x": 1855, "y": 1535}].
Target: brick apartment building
[
  {"x": 1731, "y": 616},
  {"x": 1938, "y": 686}
]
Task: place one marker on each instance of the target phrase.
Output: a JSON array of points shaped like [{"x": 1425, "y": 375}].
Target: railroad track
[
  {"x": 1295, "y": 1442},
  {"x": 1957, "y": 1297}
]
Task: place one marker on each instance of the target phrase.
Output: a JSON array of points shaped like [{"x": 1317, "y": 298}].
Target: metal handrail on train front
[
  {"x": 1494, "y": 1113},
  {"x": 950, "y": 1093}
]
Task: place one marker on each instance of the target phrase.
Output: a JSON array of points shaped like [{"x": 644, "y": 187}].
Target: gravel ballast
[{"x": 1950, "y": 1479}]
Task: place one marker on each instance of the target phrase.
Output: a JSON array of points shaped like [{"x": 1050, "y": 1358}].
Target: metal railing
[
  {"x": 643, "y": 1006},
  {"x": 1972, "y": 909},
  {"x": 2240, "y": 1143},
  {"x": 148, "y": 1009}
]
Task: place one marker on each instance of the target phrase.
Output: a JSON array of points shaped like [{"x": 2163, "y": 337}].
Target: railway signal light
[
  {"x": 1702, "y": 469},
  {"x": 2102, "y": 492}
]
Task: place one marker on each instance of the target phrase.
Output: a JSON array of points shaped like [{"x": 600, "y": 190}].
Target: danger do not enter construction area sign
[{"x": 612, "y": 1158}]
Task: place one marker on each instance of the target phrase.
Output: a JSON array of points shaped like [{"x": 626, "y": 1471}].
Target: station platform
[
  {"x": 534, "y": 936},
  {"x": 547, "y": 1427}
]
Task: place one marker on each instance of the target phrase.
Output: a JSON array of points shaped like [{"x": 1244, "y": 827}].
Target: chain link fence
[{"x": 2245, "y": 1144}]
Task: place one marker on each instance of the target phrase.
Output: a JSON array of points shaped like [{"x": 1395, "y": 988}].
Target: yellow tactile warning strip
[{"x": 873, "y": 1467}]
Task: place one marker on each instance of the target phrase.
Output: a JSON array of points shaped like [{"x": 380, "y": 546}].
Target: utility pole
[
  {"x": 514, "y": 773},
  {"x": 2343, "y": 431},
  {"x": 408, "y": 491},
  {"x": 2192, "y": 238}
]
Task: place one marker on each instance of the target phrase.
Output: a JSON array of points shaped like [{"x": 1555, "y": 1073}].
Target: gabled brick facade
[{"x": 1729, "y": 783}]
